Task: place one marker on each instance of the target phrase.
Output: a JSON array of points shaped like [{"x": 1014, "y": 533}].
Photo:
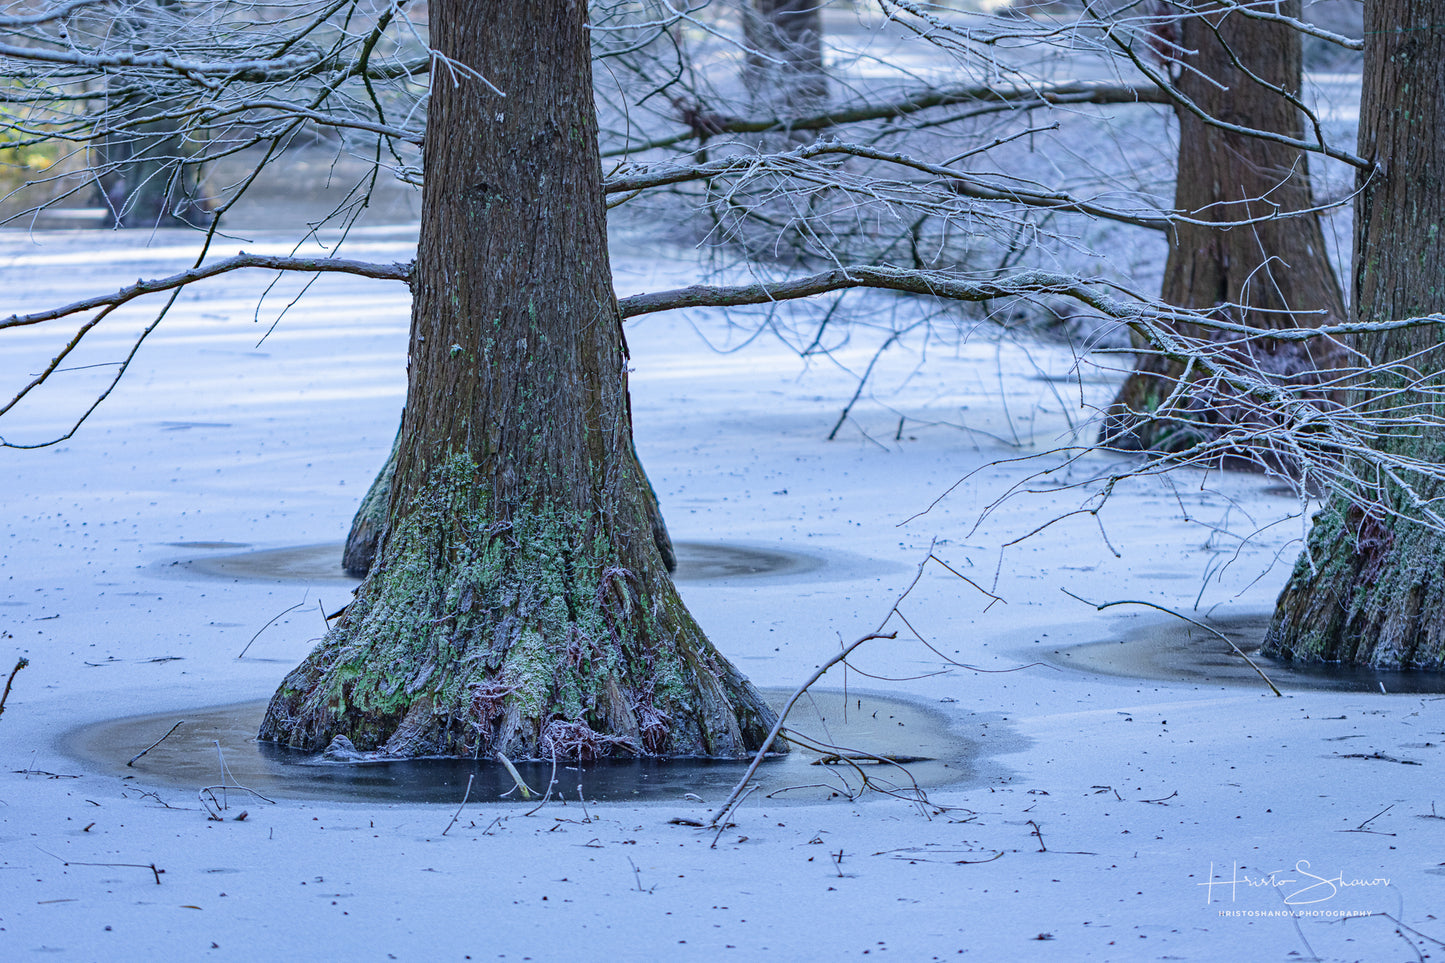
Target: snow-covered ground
[{"x": 1120, "y": 820}]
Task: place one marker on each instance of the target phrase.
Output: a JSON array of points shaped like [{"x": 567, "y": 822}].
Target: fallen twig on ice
[{"x": 10, "y": 681}]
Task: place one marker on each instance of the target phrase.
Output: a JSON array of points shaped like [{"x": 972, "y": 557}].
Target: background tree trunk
[
  {"x": 518, "y": 602},
  {"x": 783, "y": 71},
  {"x": 1375, "y": 594},
  {"x": 143, "y": 175},
  {"x": 141, "y": 172},
  {"x": 1271, "y": 269}
]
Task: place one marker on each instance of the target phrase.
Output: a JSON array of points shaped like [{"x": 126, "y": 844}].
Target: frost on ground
[{"x": 1119, "y": 819}]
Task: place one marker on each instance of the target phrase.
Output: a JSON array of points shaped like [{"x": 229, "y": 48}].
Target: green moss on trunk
[
  {"x": 1370, "y": 589},
  {"x": 528, "y": 637}
]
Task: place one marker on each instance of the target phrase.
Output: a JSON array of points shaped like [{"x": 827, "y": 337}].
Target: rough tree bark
[
  {"x": 518, "y": 602},
  {"x": 1375, "y": 594},
  {"x": 1275, "y": 270}
]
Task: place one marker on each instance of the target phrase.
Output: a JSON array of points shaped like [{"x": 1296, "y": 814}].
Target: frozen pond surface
[
  {"x": 1175, "y": 651},
  {"x": 1105, "y": 820},
  {"x": 696, "y": 562}
]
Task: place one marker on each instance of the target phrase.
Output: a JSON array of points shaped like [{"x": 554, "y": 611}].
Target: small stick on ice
[
  {"x": 156, "y": 743},
  {"x": 551, "y": 783},
  {"x": 1038, "y": 834},
  {"x": 465, "y": 796},
  {"x": 272, "y": 622},
  {"x": 150, "y": 866},
  {"x": 8, "y": 682}
]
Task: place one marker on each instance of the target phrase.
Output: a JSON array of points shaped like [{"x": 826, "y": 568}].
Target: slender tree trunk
[
  {"x": 1370, "y": 586},
  {"x": 1276, "y": 272},
  {"x": 518, "y": 602}
]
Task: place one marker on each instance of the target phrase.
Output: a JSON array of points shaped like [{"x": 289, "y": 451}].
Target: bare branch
[
  {"x": 705, "y": 124},
  {"x": 389, "y": 272}
]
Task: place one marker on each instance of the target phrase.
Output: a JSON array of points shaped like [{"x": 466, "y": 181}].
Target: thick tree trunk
[
  {"x": 1272, "y": 271},
  {"x": 518, "y": 602},
  {"x": 1375, "y": 593}
]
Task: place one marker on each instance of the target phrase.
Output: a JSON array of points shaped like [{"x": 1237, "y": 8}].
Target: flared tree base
[{"x": 530, "y": 637}]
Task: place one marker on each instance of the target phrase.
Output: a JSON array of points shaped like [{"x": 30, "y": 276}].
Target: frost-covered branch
[
  {"x": 704, "y": 124},
  {"x": 927, "y": 283},
  {"x": 399, "y": 271}
]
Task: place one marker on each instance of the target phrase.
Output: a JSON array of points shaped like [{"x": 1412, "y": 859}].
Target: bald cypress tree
[{"x": 518, "y": 602}]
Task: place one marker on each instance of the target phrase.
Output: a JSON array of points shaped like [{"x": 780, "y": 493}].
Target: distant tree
[
  {"x": 142, "y": 172},
  {"x": 1248, "y": 244},
  {"x": 783, "y": 70}
]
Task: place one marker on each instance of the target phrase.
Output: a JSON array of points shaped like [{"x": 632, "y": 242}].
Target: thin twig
[
  {"x": 156, "y": 743},
  {"x": 465, "y": 796},
  {"x": 1208, "y": 628},
  {"x": 8, "y": 682},
  {"x": 1038, "y": 834},
  {"x": 725, "y": 810},
  {"x": 637, "y": 874},
  {"x": 268, "y": 625},
  {"x": 1364, "y": 826},
  {"x": 393, "y": 272},
  {"x": 150, "y": 866},
  {"x": 551, "y": 782}
]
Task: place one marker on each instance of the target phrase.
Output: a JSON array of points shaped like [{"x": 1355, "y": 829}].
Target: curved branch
[
  {"x": 397, "y": 271},
  {"x": 956, "y": 182},
  {"x": 259, "y": 69},
  {"x": 48, "y": 16},
  {"x": 1148, "y": 318},
  {"x": 1122, "y": 42},
  {"x": 1302, "y": 26}
]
